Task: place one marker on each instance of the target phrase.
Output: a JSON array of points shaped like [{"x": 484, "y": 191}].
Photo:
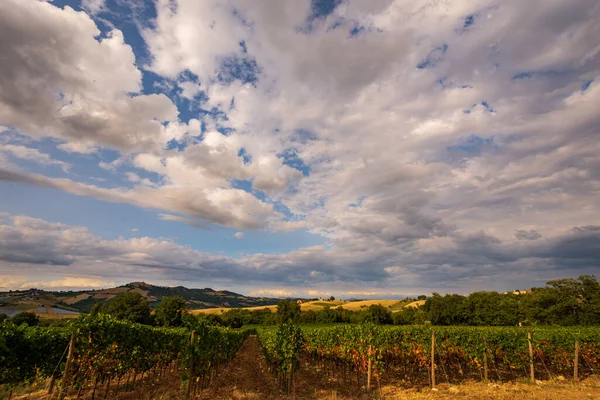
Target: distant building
[
  {"x": 300, "y": 301},
  {"x": 518, "y": 292}
]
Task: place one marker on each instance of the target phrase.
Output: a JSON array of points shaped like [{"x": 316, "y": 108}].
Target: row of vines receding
[
  {"x": 97, "y": 351},
  {"x": 367, "y": 353},
  {"x": 499, "y": 353}
]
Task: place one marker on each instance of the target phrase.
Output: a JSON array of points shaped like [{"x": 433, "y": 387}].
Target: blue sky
[{"x": 317, "y": 147}]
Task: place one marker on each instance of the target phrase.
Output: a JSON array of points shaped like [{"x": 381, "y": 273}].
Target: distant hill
[
  {"x": 84, "y": 300},
  {"x": 318, "y": 305}
]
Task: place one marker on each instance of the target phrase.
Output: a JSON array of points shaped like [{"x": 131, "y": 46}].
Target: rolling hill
[
  {"x": 356, "y": 305},
  {"x": 82, "y": 301},
  {"x": 67, "y": 304}
]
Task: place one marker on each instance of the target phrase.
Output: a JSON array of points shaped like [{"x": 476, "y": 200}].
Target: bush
[{"x": 26, "y": 317}]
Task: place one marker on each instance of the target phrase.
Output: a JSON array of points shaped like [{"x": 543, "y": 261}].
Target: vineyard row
[
  {"x": 415, "y": 354},
  {"x": 98, "y": 350}
]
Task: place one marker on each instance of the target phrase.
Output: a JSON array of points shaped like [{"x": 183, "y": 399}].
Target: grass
[
  {"x": 416, "y": 304},
  {"x": 360, "y": 305},
  {"x": 220, "y": 310},
  {"x": 52, "y": 316}
]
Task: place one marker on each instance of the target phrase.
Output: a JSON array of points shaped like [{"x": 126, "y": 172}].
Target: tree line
[{"x": 563, "y": 302}]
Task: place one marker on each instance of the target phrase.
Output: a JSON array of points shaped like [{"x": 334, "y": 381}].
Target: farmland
[
  {"x": 392, "y": 305},
  {"x": 111, "y": 356}
]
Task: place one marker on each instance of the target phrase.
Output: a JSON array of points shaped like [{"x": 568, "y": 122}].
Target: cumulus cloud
[
  {"x": 239, "y": 235},
  {"x": 58, "y": 80},
  {"x": 413, "y": 153}
]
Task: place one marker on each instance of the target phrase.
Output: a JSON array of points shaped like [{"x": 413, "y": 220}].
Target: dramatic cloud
[
  {"x": 438, "y": 144},
  {"x": 54, "y": 249}
]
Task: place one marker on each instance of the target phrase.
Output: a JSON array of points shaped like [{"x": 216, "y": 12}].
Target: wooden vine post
[
  {"x": 576, "y": 362},
  {"x": 531, "y": 370},
  {"x": 67, "y": 374},
  {"x": 290, "y": 378},
  {"x": 485, "y": 365},
  {"x": 52, "y": 381},
  {"x": 369, "y": 370},
  {"x": 433, "y": 360},
  {"x": 191, "y": 366}
]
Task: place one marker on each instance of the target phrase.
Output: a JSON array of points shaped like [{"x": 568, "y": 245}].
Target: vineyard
[
  {"x": 415, "y": 354},
  {"x": 96, "y": 353}
]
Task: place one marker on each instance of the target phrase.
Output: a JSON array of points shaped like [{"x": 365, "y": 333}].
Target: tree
[
  {"x": 332, "y": 298},
  {"x": 25, "y": 317},
  {"x": 236, "y": 317},
  {"x": 3, "y": 317},
  {"x": 288, "y": 311},
  {"x": 378, "y": 314},
  {"x": 170, "y": 310},
  {"x": 405, "y": 316},
  {"x": 326, "y": 316},
  {"x": 130, "y": 306},
  {"x": 590, "y": 313},
  {"x": 447, "y": 310},
  {"x": 566, "y": 302},
  {"x": 97, "y": 308},
  {"x": 308, "y": 317}
]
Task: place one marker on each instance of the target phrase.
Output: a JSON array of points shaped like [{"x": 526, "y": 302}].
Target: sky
[{"x": 367, "y": 149}]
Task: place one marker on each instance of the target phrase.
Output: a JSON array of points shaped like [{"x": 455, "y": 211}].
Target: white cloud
[
  {"x": 239, "y": 235},
  {"x": 272, "y": 293},
  {"x": 235, "y": 208},
  {"x": 93, "y": 6},
  {"x": 34, "y": 155},
  {"x": 318, "y": 293},
  {"x": 58, "y": 80},
  {"x": 68, "y": 283},
  {"x": 77, "y": 147}
]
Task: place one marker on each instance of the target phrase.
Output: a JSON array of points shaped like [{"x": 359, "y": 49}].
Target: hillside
[
  {"x": 82, "y": 301},
  {"x": 357, "y": 305}
]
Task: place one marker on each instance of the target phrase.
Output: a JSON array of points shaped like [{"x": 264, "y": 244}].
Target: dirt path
[{"x": 246, "y": 377}]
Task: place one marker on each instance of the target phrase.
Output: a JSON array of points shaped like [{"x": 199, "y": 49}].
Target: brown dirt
[
  {"x": 547, "y": 390},
  {"x": 246, "y": 377},
  {"x": 324, "y": 386}
]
